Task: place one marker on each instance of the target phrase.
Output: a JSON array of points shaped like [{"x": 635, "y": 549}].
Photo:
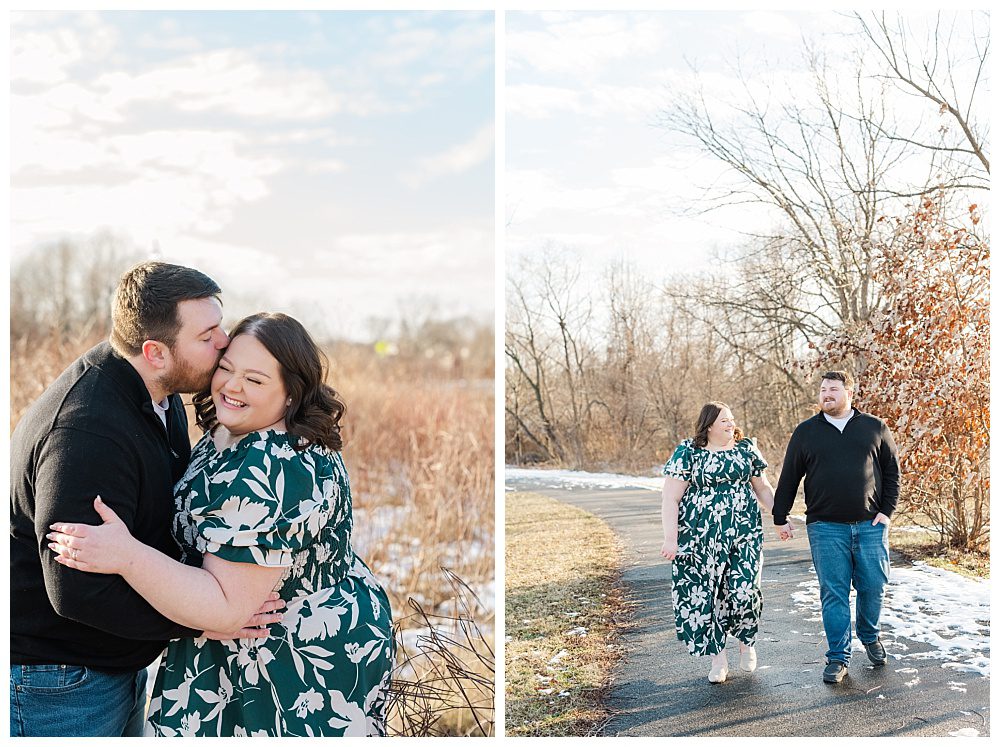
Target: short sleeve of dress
[
  {"x": 679, "y": 465},
  {"x": 268, "y": 503},
  {"x": 757, "y": 462}
]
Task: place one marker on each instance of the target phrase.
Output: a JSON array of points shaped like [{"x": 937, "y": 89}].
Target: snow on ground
[
  {"x": 571, "y": 479},
  {"x": 373, "y": 525},
  {"x": 949, "y": 612},
  {"x": 562, "y": 478}
]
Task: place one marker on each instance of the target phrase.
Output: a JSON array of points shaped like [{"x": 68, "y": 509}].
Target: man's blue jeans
[
  {"x": 60, "y": 700},
  {"x": 846, "y": 554}
]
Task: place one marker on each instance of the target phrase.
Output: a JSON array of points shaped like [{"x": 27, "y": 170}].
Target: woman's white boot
[
  {"x": 720, "y": 668},
  {"x": 748, "y": 658}
]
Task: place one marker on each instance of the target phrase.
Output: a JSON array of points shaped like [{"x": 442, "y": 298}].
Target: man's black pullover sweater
[
  {"x": 850, "y": 476},
  {"x": 92, "y": 432}
]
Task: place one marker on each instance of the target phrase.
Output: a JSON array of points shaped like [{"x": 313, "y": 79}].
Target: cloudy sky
[
  {"x": 337, "y": 165},
  {"x": 588, "y": 168}
]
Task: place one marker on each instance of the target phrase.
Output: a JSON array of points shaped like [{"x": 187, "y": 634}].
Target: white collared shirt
[
  {"x": 161, "y": 410},
  {"x": 840, "y": 423}
]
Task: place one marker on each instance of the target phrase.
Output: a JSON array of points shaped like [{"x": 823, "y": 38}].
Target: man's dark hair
[
  {"x": 843, "y": 376},
  {"x": 145, "y": 304}
]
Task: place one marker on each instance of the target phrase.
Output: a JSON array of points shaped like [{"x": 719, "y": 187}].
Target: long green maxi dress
[
  {"x": 324, "y": 670},
  {"x": 716, "y": 574}
]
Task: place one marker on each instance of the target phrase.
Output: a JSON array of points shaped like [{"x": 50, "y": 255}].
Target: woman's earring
[{"x": 289, "y": 402}]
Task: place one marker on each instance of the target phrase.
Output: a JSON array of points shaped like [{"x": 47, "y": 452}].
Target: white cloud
[
  {"x": 325, "y": 166},
  {"x": 231, "y": 81},
  {"x": 43, "y": 54},
  {"x": 169, "y": 43},
  {"x": 43, "y": 58},
  {"x": 532, "y": 193},
  {"x": 145, "y": 186},
  {"x": 378, "y": 255},
  {"x": 627, "y": 100},
  {"x": 584, "y": 44},
  {"x": 455, "y": 160},
  {"x": 414, "y": 42},
  {"x": 533, "y": 101},
  {"x": 404, "y": 48},
  {"x": 766, "y": 23},
  {"x": 593, "y": 102}
]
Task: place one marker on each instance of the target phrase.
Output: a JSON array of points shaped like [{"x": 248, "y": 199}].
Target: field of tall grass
[{"x": 418, "y": 437}]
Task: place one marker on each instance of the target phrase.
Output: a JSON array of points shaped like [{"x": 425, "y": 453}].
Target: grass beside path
[
  {"x": 925, "y": 546},
  {"x": 564, "y": 611}
]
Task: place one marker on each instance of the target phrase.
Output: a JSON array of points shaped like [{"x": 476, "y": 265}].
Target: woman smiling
[
  {"x": 712, "y": 534},
  {"x": 266, "y": 504}
]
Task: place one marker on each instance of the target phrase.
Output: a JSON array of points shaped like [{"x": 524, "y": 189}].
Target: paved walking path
[{"x": 662, "y": 691}]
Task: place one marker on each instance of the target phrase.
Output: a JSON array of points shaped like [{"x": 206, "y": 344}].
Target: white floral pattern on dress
[
  {"x": 324, "y": 670},
  {"x": 716, "y": 574}
]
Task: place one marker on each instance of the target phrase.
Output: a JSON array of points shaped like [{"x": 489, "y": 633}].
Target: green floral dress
[
  {"x": 716, "y": 574},
  {"x": 324, "y": 670}
]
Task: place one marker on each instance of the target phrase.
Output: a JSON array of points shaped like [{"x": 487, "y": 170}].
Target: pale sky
[
  {"x": 589, "y": 170},
  {"x": 334, "y": 164}
]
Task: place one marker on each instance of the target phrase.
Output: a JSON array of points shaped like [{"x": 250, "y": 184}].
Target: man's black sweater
[
  {"x": 850, "y": 476},
  {"x": 92, "y": 432}
]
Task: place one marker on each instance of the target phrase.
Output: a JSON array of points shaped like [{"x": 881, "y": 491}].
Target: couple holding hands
[{"x": 712, "y": 532}]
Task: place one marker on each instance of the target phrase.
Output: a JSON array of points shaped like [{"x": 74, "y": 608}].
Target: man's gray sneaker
[
  {"x": 834, "y": 671},
  {"x": 876, "y": 652}
]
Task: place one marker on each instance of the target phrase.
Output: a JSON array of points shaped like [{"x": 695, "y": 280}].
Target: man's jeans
[
  {"x": 843, "y": 554},
  {"x": 58, "y": 700}
]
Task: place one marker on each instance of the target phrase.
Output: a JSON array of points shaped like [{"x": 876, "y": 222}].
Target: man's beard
[
  {"x": 832, "y": 408},
  {"x": 184, "y": 379}
]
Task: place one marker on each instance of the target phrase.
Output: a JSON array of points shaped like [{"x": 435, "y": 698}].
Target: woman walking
[{"x": 712, "y": 533}]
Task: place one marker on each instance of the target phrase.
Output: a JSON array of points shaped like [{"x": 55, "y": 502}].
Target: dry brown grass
[
  {"x": 419, "y": 450},
  {"x": 562, "y": 578},
  {"x": 927, "y": 547},
  {"x": 35, "y": 363}
]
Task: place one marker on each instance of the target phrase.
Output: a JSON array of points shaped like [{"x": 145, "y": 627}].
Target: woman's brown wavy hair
[
  {"x": 709, "y": 414},
  {"x": 316, "y": 409}
]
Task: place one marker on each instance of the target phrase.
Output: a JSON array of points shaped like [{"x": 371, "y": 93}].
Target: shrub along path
[{"x": 660, "y": 690}]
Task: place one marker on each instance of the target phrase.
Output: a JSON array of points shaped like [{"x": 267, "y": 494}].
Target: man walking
[
  {"x": 848, "y": 459},
  {"x": 111, "y": 425}
]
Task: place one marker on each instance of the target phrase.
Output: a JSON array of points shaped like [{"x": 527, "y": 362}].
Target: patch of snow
[
  {"x": 934, "y": 606},
  {"x": 555, "y": 659},
  {"x": 564, "y": 478}
]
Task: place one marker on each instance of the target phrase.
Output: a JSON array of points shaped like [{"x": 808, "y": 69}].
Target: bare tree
[
  {"x": 821, "y": 166},
  {"x": 550, "y": 363},
  {"x": 66, "y": 288},
  {"x": 620, "y": 393},
  {"x": 527, "y": 356},
  {"x": 949, "y": 72}
]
